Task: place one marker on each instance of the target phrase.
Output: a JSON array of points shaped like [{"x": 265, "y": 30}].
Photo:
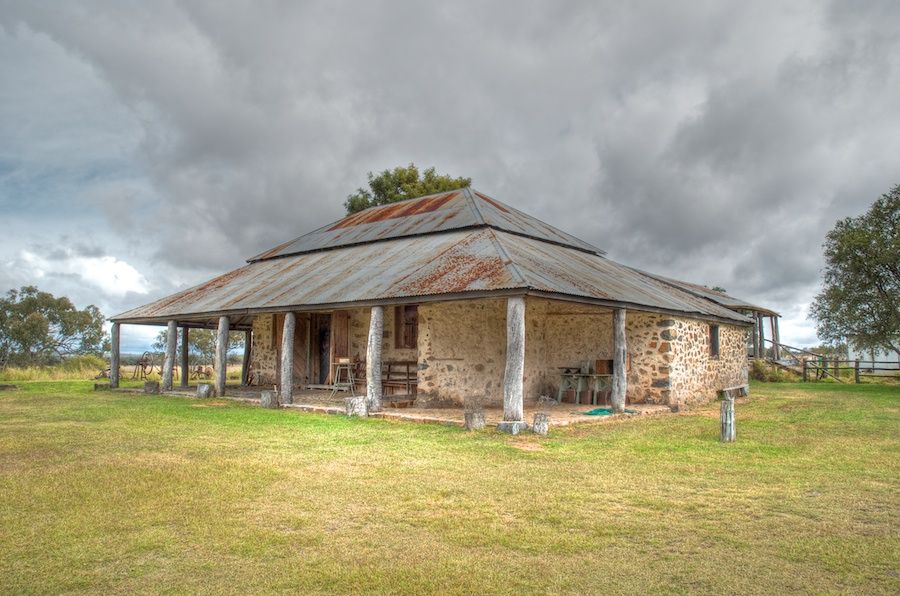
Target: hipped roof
[{"x": 461, "y": 244}]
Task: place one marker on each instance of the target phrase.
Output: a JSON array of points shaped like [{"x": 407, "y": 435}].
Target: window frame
[
  {"x": 715, "y": 344},
  {"x": 406, "y": 327}
]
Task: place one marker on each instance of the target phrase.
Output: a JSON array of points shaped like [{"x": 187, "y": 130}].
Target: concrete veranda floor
[{"x": 322, "y": 401}]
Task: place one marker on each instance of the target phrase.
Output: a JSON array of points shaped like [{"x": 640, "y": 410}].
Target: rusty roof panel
[
  {"x": 558, "y": 269},
  {"x": 449, "y": 263},
  {"x": 722, "y": 298},
  {"x": 441, "y": 212}
]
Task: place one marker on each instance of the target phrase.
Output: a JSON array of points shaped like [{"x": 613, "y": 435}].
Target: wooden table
[{"x": 580, "y": 381}]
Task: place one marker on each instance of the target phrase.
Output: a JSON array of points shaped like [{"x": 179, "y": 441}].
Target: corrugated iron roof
[
  {"x": 438, "y": 264},
  {"x": 722, "y": 298},
  {"x": 442, "y": 212}
]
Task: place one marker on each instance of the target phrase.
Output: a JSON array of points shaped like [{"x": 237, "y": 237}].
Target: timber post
[
  {"x": 776, "y": 335},
  {"x": 373, "y": 360},
  {"x": 762, "y": 335},
  {"x": 514, "y": 376},
  {"x": 856, "y": 370},
  {"x": 245, "y": 364},
  {"x": 287, "y": 358},
  {"x": 185, "y": 363},
  {"x": 726, "y": 418},
  {"x": 755, "y": 342},
  {"x": 114, "y": 343},
  {"x": 221, "y": 355},
  {"x": 805, "y": 370},
  {"x": 168, "y": 371},
  {"x": 619, "y": 380}
]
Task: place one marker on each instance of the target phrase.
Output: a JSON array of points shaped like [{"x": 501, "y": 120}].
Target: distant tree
[
  {"x": 400, "y": 184},
  {"x": 860, "y": 298},
  {"x": 39, "y": 328},
  {"x": 201, "y": 343}
]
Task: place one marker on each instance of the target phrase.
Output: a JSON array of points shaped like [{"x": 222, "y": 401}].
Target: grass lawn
[{"x": 109, "y": 492}]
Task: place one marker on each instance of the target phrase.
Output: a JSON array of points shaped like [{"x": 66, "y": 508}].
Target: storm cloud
[{"x": 713, "y": 142}]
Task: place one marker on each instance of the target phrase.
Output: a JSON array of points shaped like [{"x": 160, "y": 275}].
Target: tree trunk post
[
  {"x": 726, "y": 415},
  {"x": 776, "y": 335},
  {"x": 856, "y": 370},
  {"x": 837, "y": 368},
  {"x": 245, "y": 364},
  {"x": 287, "y": 358},
  {"x": 762, "y": 335},
  {"x": 168, "y": 371},
  {"x": 373, "y": 359},
  {"x": 805, "y": 370},
  {"x": 755, "y": 339},
  {"x": 619, "y": 380},
  {"x": 185, "y": 351},
  {"x": 221, "y": 355},
  {"x": 114, "y": 343},
  {"x": 514, "y": 377}
]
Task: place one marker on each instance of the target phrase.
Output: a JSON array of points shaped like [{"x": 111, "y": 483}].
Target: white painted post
[
  {"x": 287, "y": 358},
  {"x": 114, "y": 343},
  {"x": 514, "y": 377},
  {"x": 169, "y": 362},
  {"x": 619, "y": 380},
  {"x": 221, "y": 355},
  {"x": 373, "y": 359},
  {"x": 185, "y": 350}
]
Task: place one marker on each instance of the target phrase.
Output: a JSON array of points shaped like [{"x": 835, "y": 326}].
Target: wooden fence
[{"x": 817, "y": 369}]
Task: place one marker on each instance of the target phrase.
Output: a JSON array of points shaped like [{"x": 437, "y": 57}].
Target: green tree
[
  {"x": 38, "y": 328},
  {"x": 860, "y": 298},
  {"x": 400, "y": 184},
  {"x": 201, "y": 344}
]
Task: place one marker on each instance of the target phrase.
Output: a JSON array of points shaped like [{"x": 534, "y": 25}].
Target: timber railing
[{"x": 814, "y": 366}]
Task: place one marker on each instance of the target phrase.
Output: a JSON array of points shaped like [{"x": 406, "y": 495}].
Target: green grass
[{"x": 107, "y": 492}]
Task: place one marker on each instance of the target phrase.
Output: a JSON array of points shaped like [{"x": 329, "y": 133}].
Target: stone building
[{"x": 458, "y": 295}]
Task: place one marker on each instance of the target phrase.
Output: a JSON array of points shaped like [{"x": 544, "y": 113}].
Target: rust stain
[
  {"x": 395, "y": 210},
  {"x": 492, "y": 202}
]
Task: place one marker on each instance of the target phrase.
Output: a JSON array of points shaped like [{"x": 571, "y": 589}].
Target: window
[
  {"x": 714, "y": 341},
  {"x": 406, "y": 326}
]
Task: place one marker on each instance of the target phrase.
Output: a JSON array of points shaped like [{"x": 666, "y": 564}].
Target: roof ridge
[
  {"x": 507, "y": 259},
  {"x": 470, "y": 197}
]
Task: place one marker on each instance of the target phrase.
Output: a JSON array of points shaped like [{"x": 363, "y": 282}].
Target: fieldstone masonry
[{"x": 462, "y": 351}]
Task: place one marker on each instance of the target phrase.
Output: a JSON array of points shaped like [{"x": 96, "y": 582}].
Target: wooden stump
[
  {"x": 541, "y": 424},
  {"x": 268, "y": 399},
  {"x": 474, "y": 420},
  {"x": 204, "y": 390},
  {"x": 151, "y": 387},
  {"x": 357, "y": 405},
  {"x": 727, "y": 419}
]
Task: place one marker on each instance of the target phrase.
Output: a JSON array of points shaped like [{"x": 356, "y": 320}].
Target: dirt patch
[{"x": 526, "y": 446}]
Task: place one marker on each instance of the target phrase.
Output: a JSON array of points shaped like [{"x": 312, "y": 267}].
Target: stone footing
[
  {"x": 512, "y": 427},
  {"x": 357, "y": 406},
  {"x": 151, "y": 387},
  {"x": 268, "y": 399},
  {"x": 204, "y": 390}
]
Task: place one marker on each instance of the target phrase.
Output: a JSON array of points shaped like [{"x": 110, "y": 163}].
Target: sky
[{"x": 149, "y": 146}]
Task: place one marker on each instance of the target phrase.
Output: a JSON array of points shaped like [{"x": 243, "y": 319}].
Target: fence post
[
  {"x": 836, "y": 368},
  {"x": 856, "y": 370},
  {"x": 805, "y": 370}
]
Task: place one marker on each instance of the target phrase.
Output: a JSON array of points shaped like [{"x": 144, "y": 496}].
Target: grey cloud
[{"x": 714, "y": 142}]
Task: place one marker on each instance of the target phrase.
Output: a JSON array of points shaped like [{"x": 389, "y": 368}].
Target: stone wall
[
  {"x": 263, "y": 353},
  {"x": 462, "y": 350},
  {"x": 696, "y": 376}
]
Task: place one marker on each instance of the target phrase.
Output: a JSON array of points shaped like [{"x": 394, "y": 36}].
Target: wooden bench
[{"x": 398, "y": 377}]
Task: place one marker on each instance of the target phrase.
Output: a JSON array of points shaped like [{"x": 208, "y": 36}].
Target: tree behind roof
[{"x": 400, "y": 184}]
